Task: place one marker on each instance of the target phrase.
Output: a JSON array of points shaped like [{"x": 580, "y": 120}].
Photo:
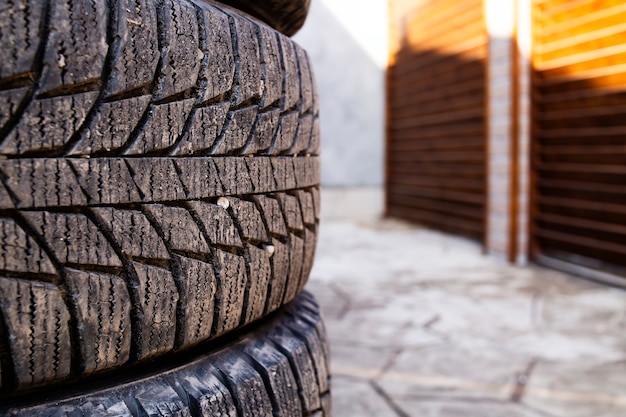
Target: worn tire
[
  {"x": 159, "y": 181},
  {"x": 286, "y": 16},
  {"x": 279, "y": 369}
]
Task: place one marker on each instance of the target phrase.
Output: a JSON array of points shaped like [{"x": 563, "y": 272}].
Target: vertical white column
[
  {"x": 501, "y": 128},
  {"x": 524, "y": 74}
]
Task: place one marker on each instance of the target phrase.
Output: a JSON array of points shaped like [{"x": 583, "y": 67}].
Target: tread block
[
  {"x": 291, "y": 208},
  {"x": 156, "y": 398},
  {"x": 217, "y": 44},
  {"x": 303, "y": 135},
  {"x": 206, "y": 125},
  {"x": 232, "y": 284},
  {"x": 252, "y": 397},
  {"x": 156, "y": 178},
  {"x": 272, "y": 68},
  {"x": 197, "y": 286},
  {"x": 248, "y": 61},
  {"x": 280, "y": 274},
  {"x": 286, "y": 134},
  {"x": 103, "y": 342},
  {"x": 20, "y": 27},
  {"x": 73, "y": 238},
  {"x": 308, "y": 209},
  {"x": 133, "y": 233},
  {"x": 238, "y": 127},
  {"x": 83, "y": 29},
  {"x": 306, "y": 172},
  {"x": 276, "y": 370},
  {"x": 42, "y": 182},
  {"x": 260, "y": 274},
  {"x": 314, "y": 147},
  {"x": 180, "y": 51},
  {"x": 37, "y": 322},
  {"x": 48, "y": 123},
  {"x": 296, "y": 249},
  {"x": 199, "y": 176},
  {"x": 135, "y": 64},
  {"x": 261, "y": 174},
  {"x": 315, "y": 192},
  {"x": 302, "y": 366},
  {"x": 153, "y": 135},
  {"x": 292, "y": 78},
  {"x": 204, "y": 391},
  {"x": 234, "y": 168},
  {"x": 283, "y": 173},
  {"x": 264, "y": 131},
  {"x": 310, "y": 243},
  {"x": 155, "y": 301},
  {"x": 180, "y": 231},
  {"x": 248, "y": 219},
  {"x": 306, "y": 82},
  {"x": 10, "y": 100},
  {"x": 218, "y": 225},
  {"x": 112, "y": 125},
  {"x": 20, "y": 252},
  {"x": 316, "y": 350},
  {"x": 105, "y": 180},
  {"x": 272, "y": 214},
  {"x": 5, "y": 198}
]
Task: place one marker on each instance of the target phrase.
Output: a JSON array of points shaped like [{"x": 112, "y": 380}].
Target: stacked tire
[{"x": 159, "y": 206}]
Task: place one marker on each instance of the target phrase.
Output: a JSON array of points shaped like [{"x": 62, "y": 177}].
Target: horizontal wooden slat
[
  {"x": 579, "y": 223},
  {"x": 475, "y": 44},
  {"x": 609, "y": 110},
  {"x": 422, "y": 121},
  {"x": 474, "y": 157},
  {"x": 441, "y": 169},
  {"x": 578, "y": 240},
  {"x": 565, "y": 184},
  {"x": 597, "y": 206},
  {"x": 452, "y": 210},
  {"x": 582, "y": 168},
  {"x": 588, "y": 132},
  {"x": 473, "y": 87},
  {"x": 581, "y": 16},
  {"x": 437, "y": 107},
  {"x": 581, "y": 38},
  {"x": 442, "y": 183},
  {"x": 471, "y": 141},
  {"x": 439, "y": 194},
  {"x": 439, "y": 221}
]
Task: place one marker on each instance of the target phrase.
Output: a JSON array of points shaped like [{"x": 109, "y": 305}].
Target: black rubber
[
  {"x": 159, "y": 180},
  {"x": 286, "y": 16},
  {"x": 279, "y": 369}
]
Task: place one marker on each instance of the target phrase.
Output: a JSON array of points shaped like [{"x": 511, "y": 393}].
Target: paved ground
[{"x": 421, "y": 324}]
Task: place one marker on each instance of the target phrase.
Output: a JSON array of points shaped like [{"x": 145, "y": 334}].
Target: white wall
[{"x": 347, "y": 43}]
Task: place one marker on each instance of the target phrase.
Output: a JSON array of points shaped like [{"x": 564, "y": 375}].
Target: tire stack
[{"x": 159, "y": 207}]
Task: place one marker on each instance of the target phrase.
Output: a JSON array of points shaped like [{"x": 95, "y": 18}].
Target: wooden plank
[
  {"x": 454, "y": 210},
  {"x": 583, "y": 241},
  {"x": 438, "y": 194},
  {"x": 581, "y": 186},
  {"x": 438, "y": 221},
  {"x": 597, "y": 206}
]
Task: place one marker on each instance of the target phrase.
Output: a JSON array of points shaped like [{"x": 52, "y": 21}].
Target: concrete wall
[{"x": 347, "y": 43}]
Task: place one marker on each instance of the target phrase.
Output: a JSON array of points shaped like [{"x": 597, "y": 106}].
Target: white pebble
[
  {"x": 223, "y": 202},
  {"x": 269, "y": 249}
]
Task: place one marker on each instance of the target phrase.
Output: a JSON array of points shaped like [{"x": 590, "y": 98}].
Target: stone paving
[{"x": 421, "y": 324}]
